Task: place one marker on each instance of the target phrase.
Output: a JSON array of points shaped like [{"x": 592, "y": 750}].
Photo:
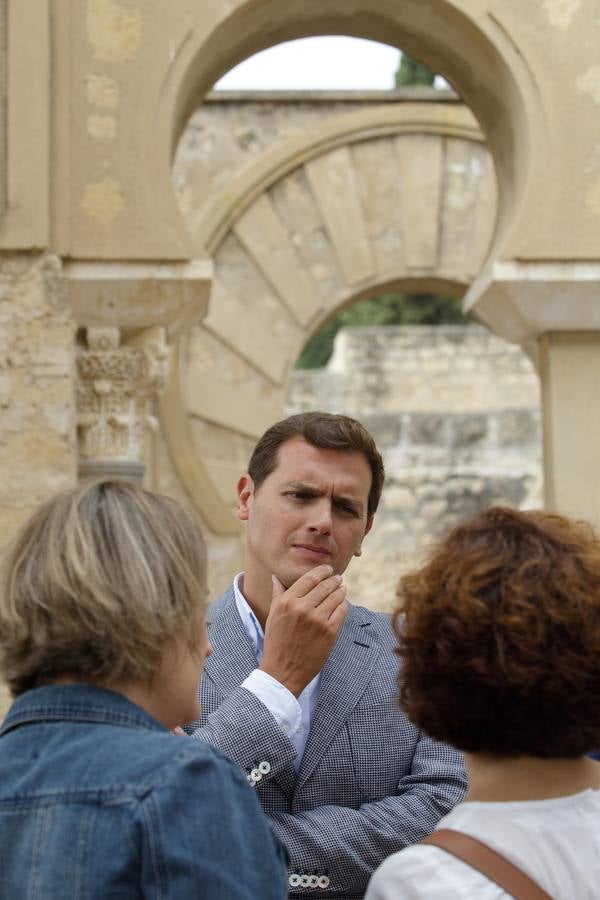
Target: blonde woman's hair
[{"x": 97, "y": 583}]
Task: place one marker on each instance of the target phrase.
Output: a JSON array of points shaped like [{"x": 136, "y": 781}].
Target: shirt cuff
[{"x": 280, "y": 702}]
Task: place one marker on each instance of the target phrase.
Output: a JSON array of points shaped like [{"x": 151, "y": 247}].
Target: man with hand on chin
[{"x": 301, "y": 686}]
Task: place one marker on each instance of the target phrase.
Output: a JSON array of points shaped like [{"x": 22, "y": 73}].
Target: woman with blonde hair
[
  {"x": 499, "y": 633},
  {"x": 102, "y": 642}
]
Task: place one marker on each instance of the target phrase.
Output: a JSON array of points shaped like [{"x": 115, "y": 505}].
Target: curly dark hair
[{"x": 500, "y": 636}]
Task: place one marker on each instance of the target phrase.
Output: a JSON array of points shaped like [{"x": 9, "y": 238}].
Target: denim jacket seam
[{"x": 37, "y": 717}]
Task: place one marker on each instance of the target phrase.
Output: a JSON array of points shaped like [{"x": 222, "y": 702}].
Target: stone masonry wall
[
  {"x": 455, "y": 412},
  {"x": 232, "y": 128},
  {"x": 37, "y": 407}
]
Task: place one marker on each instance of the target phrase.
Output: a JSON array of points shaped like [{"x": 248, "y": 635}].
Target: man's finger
[
  {"x": 307, "y": 582},
  {"x": 323, "y": 590},
  {"x": 332, "y": 602}
]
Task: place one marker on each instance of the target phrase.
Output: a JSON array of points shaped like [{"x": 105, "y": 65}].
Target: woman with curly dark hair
[{"x": 499, "y": 633}]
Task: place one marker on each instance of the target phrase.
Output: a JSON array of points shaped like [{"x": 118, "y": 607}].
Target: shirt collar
[{"x": 252, "y": 626}]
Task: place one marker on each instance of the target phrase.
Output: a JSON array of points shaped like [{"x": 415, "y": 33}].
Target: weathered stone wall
[
  {"x": 37, "y": 407},
  {"x": 37, "y": 438},
  {"x": 232, "y": 128},
  {"x": 455, "y": 411}
]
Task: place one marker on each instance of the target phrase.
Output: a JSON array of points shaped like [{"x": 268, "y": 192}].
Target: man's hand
[{"x": 302, "y": 627}]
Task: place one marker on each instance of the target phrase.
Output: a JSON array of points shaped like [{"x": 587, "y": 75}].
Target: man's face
[{"x": 311, "y": 509}]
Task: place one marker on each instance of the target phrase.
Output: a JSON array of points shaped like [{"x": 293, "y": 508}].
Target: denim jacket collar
[{"x": 77, "y": 703}]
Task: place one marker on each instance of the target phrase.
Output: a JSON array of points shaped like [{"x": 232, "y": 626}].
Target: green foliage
[
  {"x": 410, "y": 73},
  {"x": 387, "y": 309}
]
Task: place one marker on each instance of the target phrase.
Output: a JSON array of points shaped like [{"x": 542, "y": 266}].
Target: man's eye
[{"x": 347, "y": 509}]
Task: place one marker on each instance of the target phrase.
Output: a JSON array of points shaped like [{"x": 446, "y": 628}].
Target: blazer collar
[{"x": 233, "y": 657}]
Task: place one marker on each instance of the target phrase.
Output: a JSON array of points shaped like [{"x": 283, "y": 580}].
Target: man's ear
[
  {"x": 245, "y": 493},
  {"x": 358, "y": 551}
]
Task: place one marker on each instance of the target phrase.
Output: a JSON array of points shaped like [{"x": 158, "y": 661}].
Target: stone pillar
[
  {"x": 117, "y": 384},
  {"x": 128, "y": 313},
  {"x": 570, "y": 371},
  {"x": 552, "y": 309}
]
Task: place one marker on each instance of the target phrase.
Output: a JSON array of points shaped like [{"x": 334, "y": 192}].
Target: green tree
[
  {"x": 387, "y": 309},
  {"x": 410, "y": 73}
]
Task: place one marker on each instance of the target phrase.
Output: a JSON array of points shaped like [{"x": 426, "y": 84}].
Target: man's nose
[{"x": 321, "y": 520}]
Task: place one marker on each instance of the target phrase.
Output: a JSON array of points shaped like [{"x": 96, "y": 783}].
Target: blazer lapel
[
  {"x": 344, "y": 679},
  {"x": 233, "y": 657}
]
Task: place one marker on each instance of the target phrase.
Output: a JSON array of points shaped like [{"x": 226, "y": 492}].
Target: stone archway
[
  {"x": 400, "y": 195},
  {"x": 115, "y": 81}
]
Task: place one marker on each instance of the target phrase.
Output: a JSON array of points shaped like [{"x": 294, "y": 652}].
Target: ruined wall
[
  {"x": 36, "y": 386},
  {"x": 37, "y": 407},
  {"x": 232, "y": 128},
  {"x": 455, "y": 411}
]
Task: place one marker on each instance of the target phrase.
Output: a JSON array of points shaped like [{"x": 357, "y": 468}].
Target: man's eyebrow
[
  {"x": 348, "y": 501},
  {"x": 355, "y": 503},
  {"x": 301, "y": 486}
]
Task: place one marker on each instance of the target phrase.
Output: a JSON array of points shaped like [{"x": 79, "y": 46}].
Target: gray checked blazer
[{"x": 369, "y": 782}]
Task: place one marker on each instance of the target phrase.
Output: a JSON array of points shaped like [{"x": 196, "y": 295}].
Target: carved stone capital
[{"x": 116, "y": 385}]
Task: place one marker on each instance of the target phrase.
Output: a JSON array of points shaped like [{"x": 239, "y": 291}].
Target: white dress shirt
[{"x": 293, "y": 716}]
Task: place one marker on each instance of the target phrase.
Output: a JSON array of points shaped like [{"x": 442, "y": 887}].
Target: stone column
[
  {"x": 570, "y": 372},
  {"x": 128, "y": 314},
  {"x": 553, "y": 310},
  {"x": 117, "y": 384}
]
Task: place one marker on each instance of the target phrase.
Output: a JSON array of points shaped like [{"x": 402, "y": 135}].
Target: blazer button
[
  {"x": 294, "y": 880},
  {"x": 264, "y": 767},
  {"x": 255, "y": 775},
  {"x": 323, "y": 881},
  {"x": 313, "y": 881},
  {"x": 305, "y": 881}
]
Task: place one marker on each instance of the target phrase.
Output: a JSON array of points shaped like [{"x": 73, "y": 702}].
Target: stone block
[
  {"x": 427, "y": 428},
  {"x": 396, "y": 497},
  {"x": 518, "y": 426},
  {"x": 384, "y": 428},
  {"x": 468, "y": 430}
]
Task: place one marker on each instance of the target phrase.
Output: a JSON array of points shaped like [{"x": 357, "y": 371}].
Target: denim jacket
[{"x": 98, "y": 800}]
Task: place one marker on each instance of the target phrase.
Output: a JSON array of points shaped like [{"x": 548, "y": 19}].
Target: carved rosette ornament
[{"x": 116, "y": 386}]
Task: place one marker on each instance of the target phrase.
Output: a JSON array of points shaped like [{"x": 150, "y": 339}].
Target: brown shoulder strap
[{"x": 491, "y": 864}]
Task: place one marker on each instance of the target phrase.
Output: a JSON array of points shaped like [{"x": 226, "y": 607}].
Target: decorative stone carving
[{"x": 117, "y": 383}]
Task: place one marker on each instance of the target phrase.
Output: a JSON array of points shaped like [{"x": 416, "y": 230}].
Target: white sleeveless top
[{"x": 556, "y": 842}]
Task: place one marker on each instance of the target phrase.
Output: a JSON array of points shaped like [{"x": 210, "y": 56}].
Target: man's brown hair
[
  {"x": 321, "y": 429},
  {"x": 500, "y": 636}
]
